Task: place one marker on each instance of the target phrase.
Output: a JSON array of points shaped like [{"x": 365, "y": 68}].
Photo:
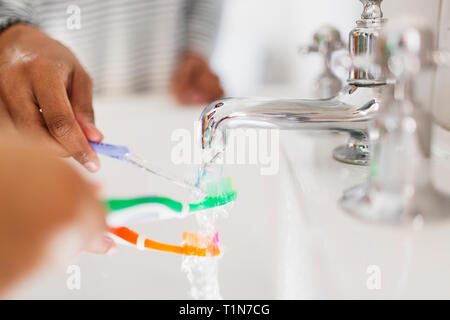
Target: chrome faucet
[
  {"x": 326, "y": 41},
  {"x": 350, "y": 109},
  {"x": 399, "y": 188}
]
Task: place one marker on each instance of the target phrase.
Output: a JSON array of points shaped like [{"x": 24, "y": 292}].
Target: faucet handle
[
  {"x": 399, "y": 188},
  {"x": 326, "y": 40},
  {"x": 406, "y": 48},
  {"x": 372, "y": 9}
]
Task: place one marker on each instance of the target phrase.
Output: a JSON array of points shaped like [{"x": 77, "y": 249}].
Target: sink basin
[
  {"x": 247, "y": 268},
  {"x": 285, "y": 237},
  {"x": 330, "y": 254}
]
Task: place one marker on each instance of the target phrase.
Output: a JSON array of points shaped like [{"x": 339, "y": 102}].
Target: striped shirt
[{"x": 125, "y": 45}]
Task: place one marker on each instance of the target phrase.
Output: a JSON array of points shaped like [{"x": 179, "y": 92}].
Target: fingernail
[
  {"x": 108, "y": 241},
  {"x": 91, "y": 166},
  {"x": 95, "y": 134},
  {"x": 109, "y": 245},
  {"x": 95, "y": 129},
  {"x": 100, "y": 135},
  {"x": 101, "y": 245}
]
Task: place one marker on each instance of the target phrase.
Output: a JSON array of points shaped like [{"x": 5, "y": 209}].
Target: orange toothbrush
[{"x": 192, "y": 244}]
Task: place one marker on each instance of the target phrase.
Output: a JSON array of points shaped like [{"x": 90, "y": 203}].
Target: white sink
[
  {"x": 247, "y": 268},
  {"x": 330, "y": 254},
  {"x": 286, "y": 236}
]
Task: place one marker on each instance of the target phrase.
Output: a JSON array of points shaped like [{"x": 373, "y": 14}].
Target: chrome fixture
[
  {"x": 355, "y": 150},
  {"x": 351, "y": 109},
  {"x": 399, "y": 189},
  {"x": 326, "y": 40},
  {"x": 361, "y": 44}
]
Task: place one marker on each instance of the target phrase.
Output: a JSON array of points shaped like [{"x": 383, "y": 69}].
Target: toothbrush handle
[{"x": 117, "y": 152}]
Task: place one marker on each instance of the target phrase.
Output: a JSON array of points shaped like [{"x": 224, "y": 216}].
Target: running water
[{"x": 203, "y": 272}]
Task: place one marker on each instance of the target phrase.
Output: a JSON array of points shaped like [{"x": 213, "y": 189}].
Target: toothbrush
[
  {"x": 120, "y": 211},
  {"x": 193, "y": 244},
  {"x": 146, "y": 209},
  {"x": 122, "y": 153}
]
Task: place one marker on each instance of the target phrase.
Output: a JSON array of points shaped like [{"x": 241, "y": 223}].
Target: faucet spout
[{"x": 351, "y": 108}]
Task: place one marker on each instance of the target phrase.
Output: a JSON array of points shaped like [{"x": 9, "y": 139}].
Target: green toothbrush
[
  {"x": 145, "y": 209},
  {"x": 218, "y": 193}
]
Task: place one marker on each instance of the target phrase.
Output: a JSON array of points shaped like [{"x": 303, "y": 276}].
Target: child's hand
[
  {"x": 194, "y": 82},
  {"x": 48, "y": 212}
]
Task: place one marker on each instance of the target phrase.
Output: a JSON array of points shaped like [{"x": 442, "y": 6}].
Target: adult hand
[
  {"x": 45, "y": 92},
  {"x": 194, "y": 82}
]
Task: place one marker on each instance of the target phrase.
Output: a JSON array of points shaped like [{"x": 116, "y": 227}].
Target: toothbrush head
[
  {"x": 203, "y": 246},
  {"x": 218, "y": 193}
]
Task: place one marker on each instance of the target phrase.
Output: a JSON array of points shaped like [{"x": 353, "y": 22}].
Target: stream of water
[{"x": 203, "y": 272}]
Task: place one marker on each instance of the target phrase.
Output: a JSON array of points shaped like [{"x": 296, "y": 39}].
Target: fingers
[
  {"x": 209, "y": 84},
  {"x": 205, "y": 88},
  {"x": 81, "y": 100},
  {"x": 57, "y": 112},
  {"x": 27, "y": 118},
  {"x": 93, "y": 220},
  {"x": 193, "y": 96},
  {"x": 18, "y": 113},
  {"x": 101, "y": 246},
  {"x": 182, "y": 78},
  {"x": 6, "y": 123},
  {"x": 195, "y": 83}
]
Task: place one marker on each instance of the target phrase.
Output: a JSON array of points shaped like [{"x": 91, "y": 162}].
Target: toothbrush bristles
[{"x": 199, "y": 245}]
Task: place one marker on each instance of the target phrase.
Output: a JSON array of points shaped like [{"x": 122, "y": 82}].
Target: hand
[
  {"x": 48, "y": 212},
  {"x": 45, "y": 92},
  {"x": 194, "y": 82}
]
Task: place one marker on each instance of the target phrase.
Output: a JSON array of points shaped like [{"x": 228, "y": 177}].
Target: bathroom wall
[
  {"x": 441, "y": 107},
  {"x": 267, "y": 34}
]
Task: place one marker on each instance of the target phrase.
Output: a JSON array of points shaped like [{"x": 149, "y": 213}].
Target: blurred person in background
[{"x": 52, "y": 52}]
